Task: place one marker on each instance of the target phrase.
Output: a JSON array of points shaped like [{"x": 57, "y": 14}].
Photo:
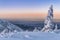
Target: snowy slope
[{"x": 33, "y": 36}]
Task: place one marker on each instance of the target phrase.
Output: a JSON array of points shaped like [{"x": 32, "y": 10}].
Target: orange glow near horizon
[{"x": 27, "y": 16}]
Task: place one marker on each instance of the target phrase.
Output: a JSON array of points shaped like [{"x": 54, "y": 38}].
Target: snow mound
[{"x": 32, "y": 36}]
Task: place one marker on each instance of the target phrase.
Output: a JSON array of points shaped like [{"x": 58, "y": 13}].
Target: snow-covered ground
[{"x": 32, "y": 36}]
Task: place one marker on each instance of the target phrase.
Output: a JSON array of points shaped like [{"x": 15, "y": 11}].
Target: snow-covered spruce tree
[
  {"x": 35, "y": 30},
  {"x": 48, "y": 24},
  {"x": 56, "y": 28}
]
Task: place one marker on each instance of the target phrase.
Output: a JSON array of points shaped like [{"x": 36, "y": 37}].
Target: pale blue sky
[
  {"x": 28, "y": 6},
  {"x": 37, "y": 5},
  {"x": 27, "y": 3}
]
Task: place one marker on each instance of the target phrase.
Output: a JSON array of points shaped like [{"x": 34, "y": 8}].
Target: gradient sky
[{"x": 28, "y": 9}]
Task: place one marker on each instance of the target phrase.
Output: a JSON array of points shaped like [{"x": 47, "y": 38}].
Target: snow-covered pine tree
[
  {"x": 35, "y": 30},
  {"x": 48, "y": 24}
]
